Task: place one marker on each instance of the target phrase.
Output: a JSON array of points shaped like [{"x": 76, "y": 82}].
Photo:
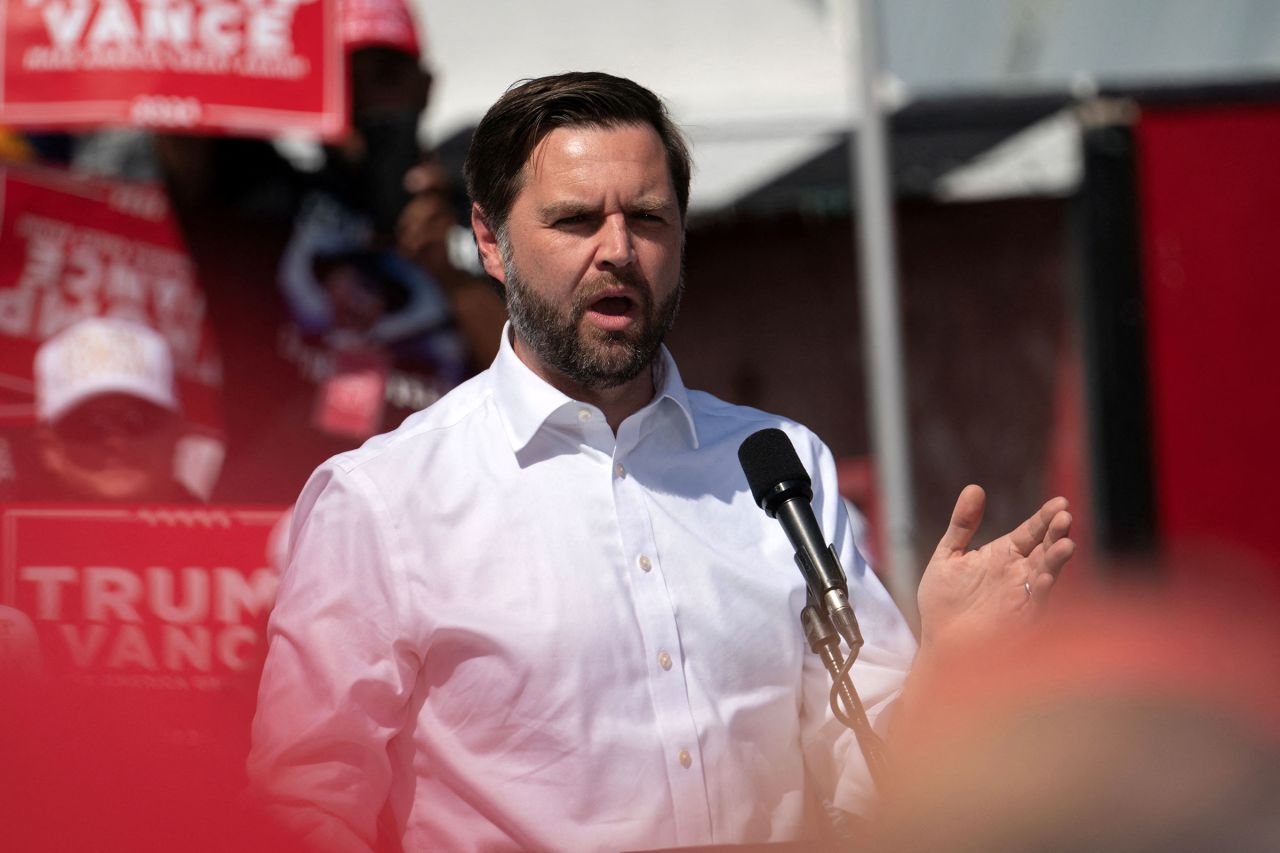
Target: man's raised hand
[{"x": 966, "y": 594}]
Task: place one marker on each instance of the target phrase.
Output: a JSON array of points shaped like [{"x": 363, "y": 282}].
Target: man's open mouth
[{"x": 612, "y": 306}]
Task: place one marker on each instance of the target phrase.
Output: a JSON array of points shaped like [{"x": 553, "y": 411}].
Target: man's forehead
[{"x": 575, "y": 150}]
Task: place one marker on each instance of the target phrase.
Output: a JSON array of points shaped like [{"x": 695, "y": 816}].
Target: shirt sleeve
[
  {"x": 340, "y": 669},
  {"x": 832, "y": 756}
]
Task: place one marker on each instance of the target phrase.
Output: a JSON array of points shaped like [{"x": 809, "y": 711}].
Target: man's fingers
[
  {"x": 1059, "y": 528},
  {"x": 1031, "y": 532},
  {"x": 1040, "y": 586},
  {"x": 965, "y": 519},
  {"x": 1056, "y": 557}
]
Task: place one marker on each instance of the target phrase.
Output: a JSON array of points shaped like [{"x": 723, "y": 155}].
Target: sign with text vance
[{"x": 243, "y": 67}]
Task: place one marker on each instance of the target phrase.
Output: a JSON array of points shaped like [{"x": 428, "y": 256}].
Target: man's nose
[{"x": 616, "y": 246}]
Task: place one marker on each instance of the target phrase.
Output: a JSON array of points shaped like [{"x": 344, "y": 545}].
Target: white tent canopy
[{"x": 759, "y": 86}]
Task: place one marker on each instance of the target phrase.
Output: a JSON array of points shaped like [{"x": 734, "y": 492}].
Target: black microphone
[{"x": 783, "y": 489}]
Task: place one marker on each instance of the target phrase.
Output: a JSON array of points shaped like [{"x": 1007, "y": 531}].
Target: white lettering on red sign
[
  {"x": 199, "y": 618},
  {"x": 209, "y": 36},
  {"x": 71, "y": 273}
]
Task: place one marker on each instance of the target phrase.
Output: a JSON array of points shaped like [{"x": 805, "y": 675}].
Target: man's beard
[{"x": 591, "y": 358}]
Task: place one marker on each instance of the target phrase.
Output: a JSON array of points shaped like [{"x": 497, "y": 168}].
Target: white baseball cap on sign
[{"x": 102, "y": 355}]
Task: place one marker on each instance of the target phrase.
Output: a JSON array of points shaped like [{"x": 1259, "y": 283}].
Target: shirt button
[
  {"x": 686, "y": 760},
  {"x": 584, "y": 415},
  {"x": 664, "y": 660},
  {"x": 620, "y": 470},
  {"x": 645, "y": 565}
]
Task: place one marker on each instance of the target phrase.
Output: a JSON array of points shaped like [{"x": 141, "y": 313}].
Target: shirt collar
[
  {"x": 669, "y": 385},
  {"x": 526, "y": 401}
]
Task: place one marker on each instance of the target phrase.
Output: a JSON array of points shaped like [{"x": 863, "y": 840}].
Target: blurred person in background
[
  {"x": 108, "y": 417},
  {"x": 378, "y": 192},
  {"x": 258, "y": 226},
  {"x": 337, "y": 306},
  {"x": 422, "y": 235},
  {"x": 381, "y": 172}
]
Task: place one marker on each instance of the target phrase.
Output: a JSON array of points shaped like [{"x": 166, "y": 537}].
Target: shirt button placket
[{"x": 670, "y": 693}]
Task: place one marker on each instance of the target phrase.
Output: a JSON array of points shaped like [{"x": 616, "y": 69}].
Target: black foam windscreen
[{"x": 768, "y": 458}]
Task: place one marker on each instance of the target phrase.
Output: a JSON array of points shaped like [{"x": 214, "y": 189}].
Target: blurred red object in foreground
[{"x": 1143, "y": 718}]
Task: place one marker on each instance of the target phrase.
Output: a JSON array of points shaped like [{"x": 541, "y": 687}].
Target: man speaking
[{"x": 545, "y": 612}]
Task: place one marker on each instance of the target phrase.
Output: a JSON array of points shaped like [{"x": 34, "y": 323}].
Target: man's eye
[{"x": 576, "y": 219}]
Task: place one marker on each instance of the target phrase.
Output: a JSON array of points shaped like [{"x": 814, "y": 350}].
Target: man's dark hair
[{"x": 528, "y": 111}]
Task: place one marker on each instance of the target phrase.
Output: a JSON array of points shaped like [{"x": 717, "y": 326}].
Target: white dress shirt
[{"x": 504, "y": 627}]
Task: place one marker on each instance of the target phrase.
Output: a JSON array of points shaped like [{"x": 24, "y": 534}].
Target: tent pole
[{"x": 881, "y": 318}]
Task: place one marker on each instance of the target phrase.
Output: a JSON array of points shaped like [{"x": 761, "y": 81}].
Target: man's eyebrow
[
  {"x": 645, "y": 204},
  {"x": 560, "y": 209},
  {"x": 650, "y": 204}
]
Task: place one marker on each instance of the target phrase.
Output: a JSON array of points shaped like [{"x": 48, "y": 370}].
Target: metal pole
[{"x": 881, "y": 320}]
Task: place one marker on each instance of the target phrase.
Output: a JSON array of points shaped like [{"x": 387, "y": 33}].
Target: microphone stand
[
  {"x": 825, "y": 643},
  {"x": 783, "y": 489}
]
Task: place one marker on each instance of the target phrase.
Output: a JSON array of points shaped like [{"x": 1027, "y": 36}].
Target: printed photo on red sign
[{"x": 248, "y": 67}]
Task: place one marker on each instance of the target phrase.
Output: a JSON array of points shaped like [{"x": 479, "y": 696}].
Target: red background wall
[{"x": 1209, "y": 196}]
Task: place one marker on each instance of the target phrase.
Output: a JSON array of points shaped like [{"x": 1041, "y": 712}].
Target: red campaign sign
[
  {"x": 248, "y": 67},
  {"x": 73, "y": 247},
  {"x": 142, "y": 598},
  {"x": 131, "y": 640}
]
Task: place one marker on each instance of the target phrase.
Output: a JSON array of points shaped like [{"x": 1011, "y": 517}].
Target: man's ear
[{"x": 487, "y": 244}]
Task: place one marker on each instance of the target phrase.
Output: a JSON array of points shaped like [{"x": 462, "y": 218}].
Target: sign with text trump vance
[
  {"x": 141, "y": 598},
  {"x": 246, "y": 67}
]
